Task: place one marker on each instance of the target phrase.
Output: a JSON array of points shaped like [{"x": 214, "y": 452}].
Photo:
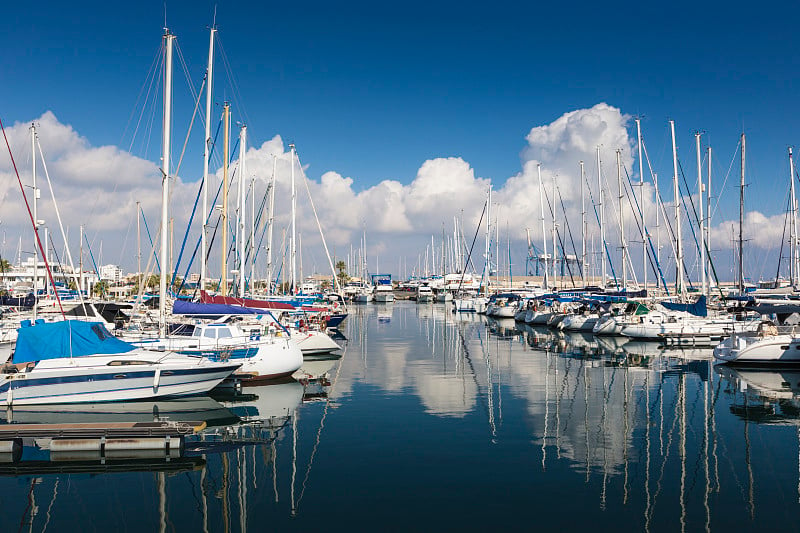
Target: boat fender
[{"x": 156, "y": 379}]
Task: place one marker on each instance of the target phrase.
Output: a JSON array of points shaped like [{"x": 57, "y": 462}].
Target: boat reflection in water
[
  {"x": 202, "y": 409},
  {"x": 764, "y": 395}
]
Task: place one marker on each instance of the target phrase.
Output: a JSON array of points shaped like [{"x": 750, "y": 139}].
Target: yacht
[
  {"x": 263, "y": 355},
  {"x": 424, "y": 293},
  {"x": 767, "y": 345},
  {"x": 75, "y": 362},
  {"x": 384, "y": 293}
]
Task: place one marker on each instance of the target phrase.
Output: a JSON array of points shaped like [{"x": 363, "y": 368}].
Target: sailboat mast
[
  {"x": 80, "y": 261},
  {"x": 487, "y": 269},
  {"x": 584, "y": 272},
  {"x": 206, "y": 155},
  {"x": 555, "y": 248},
  {"x": 270, "y": 224},
  {"x": 602, "y": 223},
  {"x": 294, "y": 228},
  {"x": 641, "y": 202},
  {"x": 252, "y": 233},
  {"x": 623, "y": 244},
  {"x": 741, "y": 224},
  {"x": 165, "y": 266},
  {"x": 708, "y": 210},
  {"x": 678, "y": 240},
  {"x": 35, "y": 224},
  {"x": 703, "y": 283},
  {"x": 139, "y": 243},
  {"x": 793, "y": 247},
  {"x": 226, "y": 126},
  {"x": 242, "y": 213},
  {"x": 544, "y": 230}
]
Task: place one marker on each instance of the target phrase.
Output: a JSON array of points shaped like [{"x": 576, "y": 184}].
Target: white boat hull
[{"x": 93, "y": 380}]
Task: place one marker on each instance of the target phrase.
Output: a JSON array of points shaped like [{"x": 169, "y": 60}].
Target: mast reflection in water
[{"x": 432, "y": 421}]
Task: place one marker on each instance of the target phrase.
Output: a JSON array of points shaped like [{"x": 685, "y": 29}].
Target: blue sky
[{"x": 371, "y": 91}]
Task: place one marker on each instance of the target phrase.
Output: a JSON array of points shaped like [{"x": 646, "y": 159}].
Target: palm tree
[{"x": 341, "y": 272}]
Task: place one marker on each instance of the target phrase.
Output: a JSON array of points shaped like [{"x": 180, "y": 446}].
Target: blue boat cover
[
  {"x": 698, "y": 308},
  {"x": 194, "y": 308},
  {"x": 68, "y": 338}
]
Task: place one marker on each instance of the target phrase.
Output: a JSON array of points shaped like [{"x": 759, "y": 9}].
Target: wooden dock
[{"x": 100, "y": 430}]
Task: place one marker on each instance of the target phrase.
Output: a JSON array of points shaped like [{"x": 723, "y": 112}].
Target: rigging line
[
  {"x": 569, "y": 229},
  {"x": 147, "y": 229},
  {"x": 730, "y": 167},
  {"x": 262, "y": 229},
  {"x": 558, "y": 236},
  {"x": 172, "y": 189},
  {"x": 59, "y": 263},
  {"x": 232, "y": 79},
  {"x": 91, "y": 255},
  {"x": 148, "y": 81},
  {"x": 472, "y": 246},
  {"x": 783, "y": 238},
  {"x": 660, "y": 203},
  {"x": 30, "y": 214},
  {"x": 319, "y": 225},
  {"x": 55, "y": 206},
  {"x": 183, "y": 63},
  {"x": 597, "y": 218},
  {"x": 124, "y": 247},
  {"x": 652, "y": 257}
]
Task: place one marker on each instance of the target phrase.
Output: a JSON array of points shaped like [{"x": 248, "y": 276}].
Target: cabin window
[
  {"x": 786, "y": 347},
  {"x": 210, "y": 333},
  {"x": 197, "y": 333},
  {"x": 224, "y": 333},
  {"x": 129, "y": 363},
  {"x": 100, "y": 331}
]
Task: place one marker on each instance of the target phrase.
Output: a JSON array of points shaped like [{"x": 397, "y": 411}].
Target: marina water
[{"x": 431, "y": 421}]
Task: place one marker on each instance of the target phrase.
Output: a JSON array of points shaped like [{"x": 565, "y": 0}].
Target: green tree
[
  {"x": 100, "y": 288},
  {"x": 153, "y": 282},
  {"x": 341, "y": 272}
]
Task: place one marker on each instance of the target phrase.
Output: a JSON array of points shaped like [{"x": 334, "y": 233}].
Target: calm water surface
[{"x": 435, "y": 422}]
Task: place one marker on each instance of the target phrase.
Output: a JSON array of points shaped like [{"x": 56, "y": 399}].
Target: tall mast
[
  {"x": 206, "y": 155},
  {"x": 680, "y": 289},
  {"x": 544, "y": 231},
  {"x": 242, "y": 213},
  {"x": 270, "y": 224},
  {"x": 641, "y": 202},
  {"x": 602, "y": 223},
  {"x": 700, "y": 202},
  {"x": 35, "y": 224},
  {"x": 139, "y": 242},
  {"x": 487, "y": 269},
  {"x": 226, "y": 126},
  {"x": 623, "y": 244},
  {"x": 793, "y": 265},
  {"x": 584, "y": 272},
  {"x": 741, "y": 225},
  {"x": 252, "y": 233},
  {"x": 80, "y": 261},
  {"x": 294, "y": 229},
  {"x": 659, "y": 205},
  {"x": 555, "y": 248},
  {"x": 165, "y": 266},
  {"x": 708, "y": 211}
]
